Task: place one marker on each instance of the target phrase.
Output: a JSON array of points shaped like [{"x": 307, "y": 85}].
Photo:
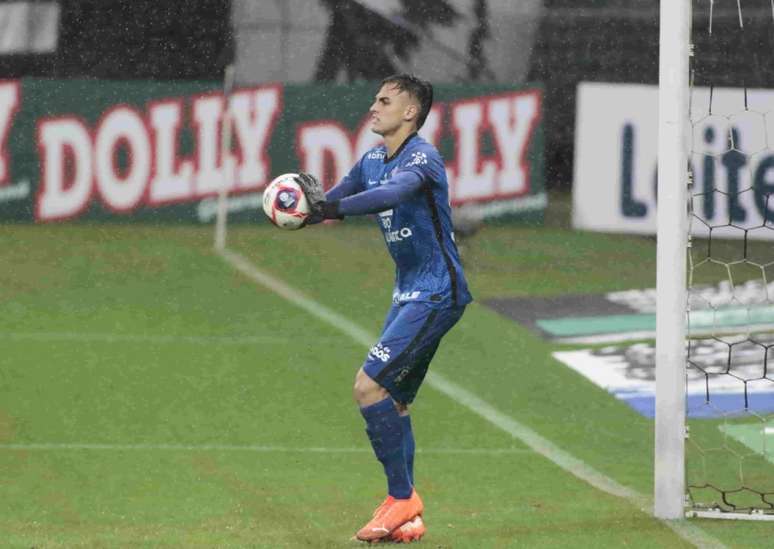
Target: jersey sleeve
[
  {"x": 350, "y": 184},
  {"x": 426, "y": 162},
  {"x": 399, "y": 188},
  {"x": 420, "y": 167}
]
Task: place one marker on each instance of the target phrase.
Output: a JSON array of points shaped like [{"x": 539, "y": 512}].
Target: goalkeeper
[{"x": 404, "y": 182}]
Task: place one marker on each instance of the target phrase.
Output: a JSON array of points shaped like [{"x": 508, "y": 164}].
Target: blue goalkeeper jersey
[{"x": 410, "y": 194}]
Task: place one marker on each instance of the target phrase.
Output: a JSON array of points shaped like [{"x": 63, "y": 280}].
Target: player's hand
[
  {"x": 319, "y": 208},
  {"x": 312, "y": 188}
]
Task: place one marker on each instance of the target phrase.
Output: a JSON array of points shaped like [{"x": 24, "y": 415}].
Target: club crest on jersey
[
  {"x": 417, "y": 159},
  {"x": 286, "y": 199}
]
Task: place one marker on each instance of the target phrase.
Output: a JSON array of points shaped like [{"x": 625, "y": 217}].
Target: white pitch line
[
  {"x": 49, "y": 446},
  {"x": 137, "y": 338},
  {"x": 530, "y": 438}
]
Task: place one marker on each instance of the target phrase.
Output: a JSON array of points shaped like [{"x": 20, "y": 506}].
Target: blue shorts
[{"x": 410, "y": 337}]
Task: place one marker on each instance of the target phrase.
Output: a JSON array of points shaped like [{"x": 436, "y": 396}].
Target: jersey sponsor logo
[
  {"x": 417, "y": 159},
  {"x": 380, "y": 352},
  {"x": 399, "y": 235},
  {"x": 385, "y": 218},
  {"x": 375, "y": 155},
  {"x": 405, "y": 296}
]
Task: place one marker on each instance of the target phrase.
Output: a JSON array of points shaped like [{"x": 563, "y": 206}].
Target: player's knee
[{"x": 366, "y": 391}]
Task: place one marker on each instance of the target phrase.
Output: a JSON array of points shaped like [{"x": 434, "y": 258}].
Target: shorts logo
[
  {"x": 380, "y": 352},
  {"x": 402, "y": 375}
]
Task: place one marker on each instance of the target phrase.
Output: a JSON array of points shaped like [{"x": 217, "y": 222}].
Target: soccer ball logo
[
  {"x": 286, "y": 199},
  {"x": 284, "y": 202}
]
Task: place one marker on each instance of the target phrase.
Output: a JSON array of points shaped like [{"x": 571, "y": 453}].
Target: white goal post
[{"x": 672, "y": 236}]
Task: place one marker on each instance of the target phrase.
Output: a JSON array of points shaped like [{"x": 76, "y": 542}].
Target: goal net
[{"x": 726, "y": 359}]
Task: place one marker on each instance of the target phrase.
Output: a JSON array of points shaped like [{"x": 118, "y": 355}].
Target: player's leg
[
  {"x": 394, "y": 370},
  {"x": 409, "y": 445},
  {"x": 385, "y": 429}
]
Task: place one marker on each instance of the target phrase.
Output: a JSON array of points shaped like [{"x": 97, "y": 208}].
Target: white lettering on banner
[
  {"x": 319, "y": 140},
  {"x": 616, "y": 160},
  {"x": 63, "y": 192},
  {"x": 473, "y": 177},
  {"x": 73, "y": 164},
  {"x": 431, "y": 129},
  {"x": 9, "y": 105},
  {"x": 513, "y": 120},
  {"x": 79, "y": 163},
  {"x": 173, "y": 177},
  {"x": 255, "y": 113},
  {"x": 122, "y": 126},
  {"x": 208, "y": 115},
  {"x": 510, "y": 119}
]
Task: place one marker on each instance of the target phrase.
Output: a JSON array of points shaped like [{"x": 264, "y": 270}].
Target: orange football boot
[
  {"x": 407, "y": 532},
  {"x": 381, "y": 506},
  {"x": 390, "y": 515}
]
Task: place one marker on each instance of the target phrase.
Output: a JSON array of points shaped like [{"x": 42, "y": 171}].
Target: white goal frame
[
  {"x": 672, "y": 237},
  {"x": 675, "y": 51}
]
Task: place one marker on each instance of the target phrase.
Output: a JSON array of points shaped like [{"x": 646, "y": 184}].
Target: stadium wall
[{"x": 149, "y": 150}]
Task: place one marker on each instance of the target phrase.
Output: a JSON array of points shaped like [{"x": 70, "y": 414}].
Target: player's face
[{"x": 391, "y": 109}]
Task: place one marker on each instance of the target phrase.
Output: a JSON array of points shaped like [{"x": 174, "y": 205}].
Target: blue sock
[
  {"x": 408, "y": 446},
  {"x": 384, "y": 428}
]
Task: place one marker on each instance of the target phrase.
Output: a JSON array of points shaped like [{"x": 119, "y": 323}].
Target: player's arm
[
  {"x": 399, "y": 188},
  {"x": 349, "y": 185},
  {"x": 422, "y": 167}
]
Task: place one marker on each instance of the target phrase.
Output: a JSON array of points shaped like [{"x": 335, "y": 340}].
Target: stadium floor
[{"x": 153, "y": 395}]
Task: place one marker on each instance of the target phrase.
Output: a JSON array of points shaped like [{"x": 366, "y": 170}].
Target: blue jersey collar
[{"x": 398, "y": 151}]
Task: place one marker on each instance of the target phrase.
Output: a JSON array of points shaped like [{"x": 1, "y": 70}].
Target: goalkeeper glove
[{"x": 319, "y": 208}]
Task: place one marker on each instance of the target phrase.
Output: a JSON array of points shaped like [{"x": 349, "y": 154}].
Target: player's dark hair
[{"x": 419, "y": 89}]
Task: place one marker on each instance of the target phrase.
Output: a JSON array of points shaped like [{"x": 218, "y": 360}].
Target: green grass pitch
[{"x": 153, "y": 396}]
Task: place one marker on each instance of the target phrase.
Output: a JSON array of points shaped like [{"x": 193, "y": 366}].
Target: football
[{"x": 284, "y": 202}]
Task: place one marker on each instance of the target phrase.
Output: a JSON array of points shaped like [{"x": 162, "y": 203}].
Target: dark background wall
[
  {"x": 163, "y": 39},
  {"x": 618, "y": 41}
]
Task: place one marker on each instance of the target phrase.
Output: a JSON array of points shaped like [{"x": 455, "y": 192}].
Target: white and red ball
[{"x": 284, "y": 202}]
